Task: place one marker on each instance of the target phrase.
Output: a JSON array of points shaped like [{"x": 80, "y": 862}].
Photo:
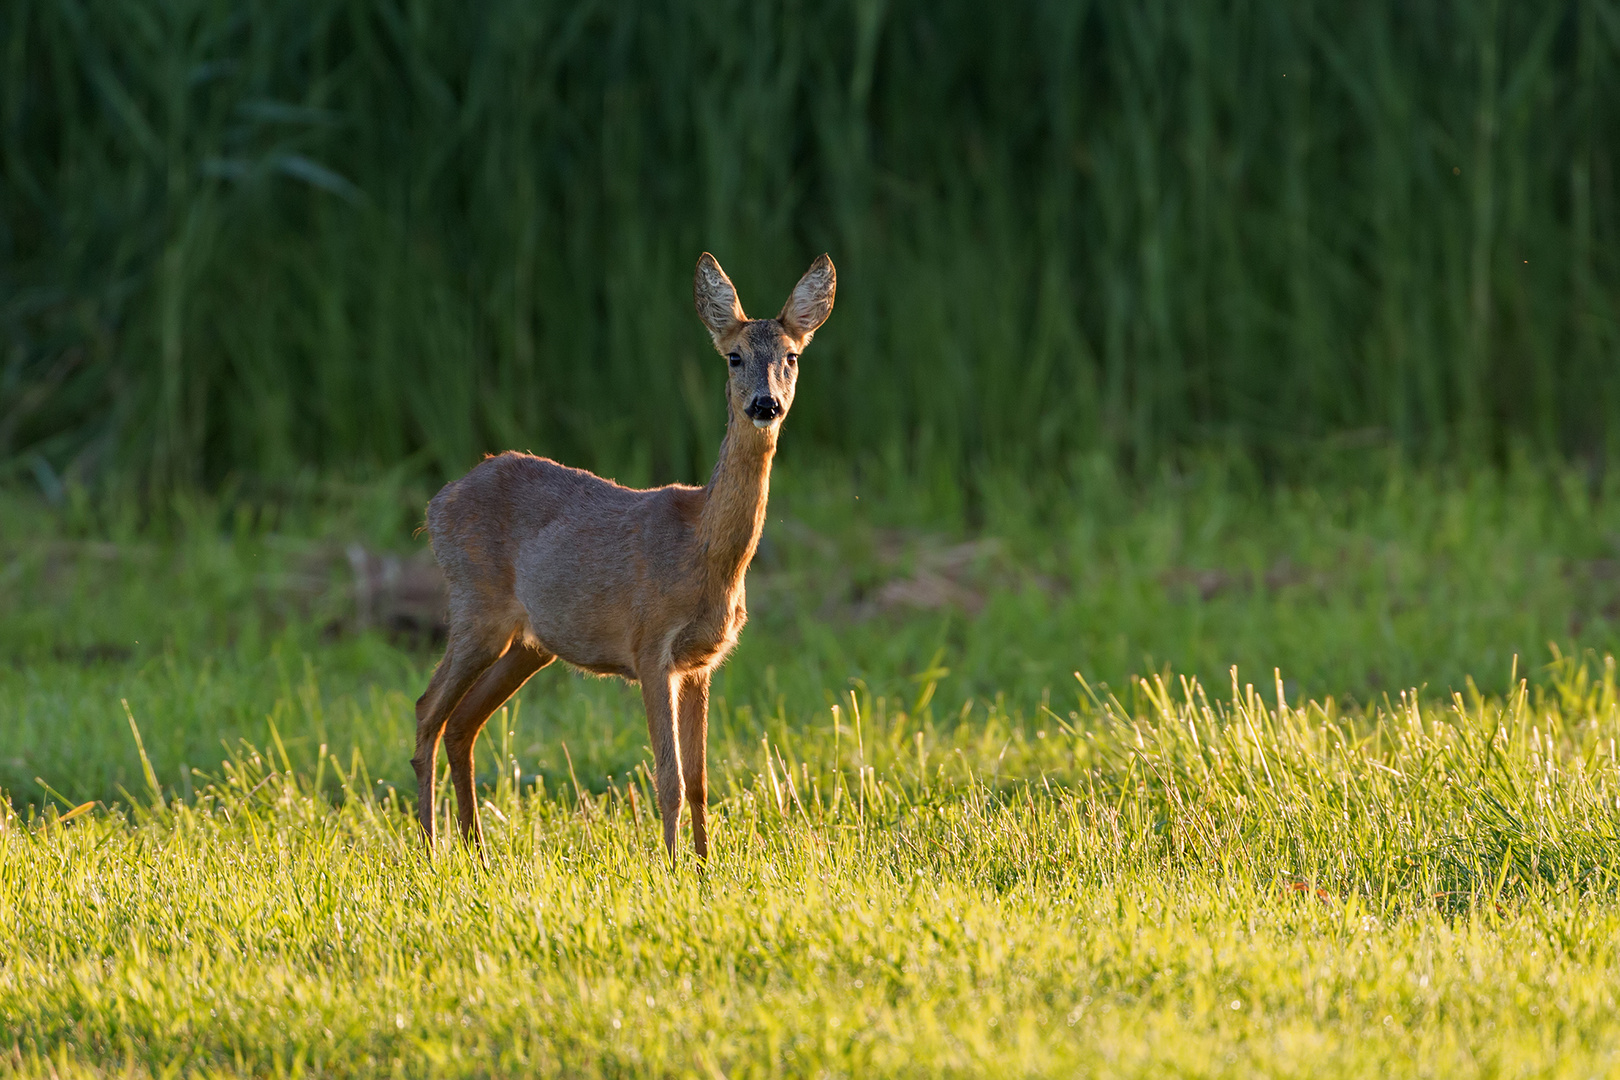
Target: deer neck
[{"x": 734, "y": 503}]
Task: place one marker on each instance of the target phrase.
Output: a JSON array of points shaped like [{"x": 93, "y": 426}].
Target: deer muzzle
[{"x": 763, "y": 409}]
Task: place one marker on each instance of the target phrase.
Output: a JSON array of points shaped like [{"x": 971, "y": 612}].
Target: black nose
[{"x": 763, "y": 407}]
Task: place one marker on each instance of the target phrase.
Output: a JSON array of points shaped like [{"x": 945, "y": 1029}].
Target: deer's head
[{"x": 762, "y": 354}]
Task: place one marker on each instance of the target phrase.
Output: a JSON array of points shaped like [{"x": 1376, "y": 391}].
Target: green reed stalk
[{"x": 249, "y": 239}]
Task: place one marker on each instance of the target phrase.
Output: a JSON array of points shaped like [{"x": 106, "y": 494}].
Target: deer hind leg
[
  {"x": 465, "y": 659},
  {"x": 693, "y": 729},
  {"x": 658, "y": 694},
  {"x": 498, "y": 682}
]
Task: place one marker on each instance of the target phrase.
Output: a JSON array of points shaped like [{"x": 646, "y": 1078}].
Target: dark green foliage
[{"x": 253, "y": 238}]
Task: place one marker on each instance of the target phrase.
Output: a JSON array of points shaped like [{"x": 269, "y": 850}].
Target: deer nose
[{"x": 763, "y": 407}]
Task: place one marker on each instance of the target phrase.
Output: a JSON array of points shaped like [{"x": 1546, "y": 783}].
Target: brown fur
[{"x": 546, "y": 562}]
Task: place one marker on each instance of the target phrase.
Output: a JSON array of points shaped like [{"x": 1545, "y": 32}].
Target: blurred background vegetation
[{"x": 246, "y": 242}]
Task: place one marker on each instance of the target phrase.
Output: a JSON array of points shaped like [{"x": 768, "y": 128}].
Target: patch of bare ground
[
  {"x": 350, "y": 589},
  {"x": 404, "y": 596},
  {"x": 886, "y": 573},
  {"x": 345, "y": 589},
  {"x": 1207, "y": 583}
]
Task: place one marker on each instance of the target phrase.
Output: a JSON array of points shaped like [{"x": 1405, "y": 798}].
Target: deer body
[
  {"x": 604, "y": 577},
  {"x": 544, "y": 562}
]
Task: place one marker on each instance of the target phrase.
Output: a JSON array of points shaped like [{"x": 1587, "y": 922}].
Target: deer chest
[{"x": 706, "y": 640}]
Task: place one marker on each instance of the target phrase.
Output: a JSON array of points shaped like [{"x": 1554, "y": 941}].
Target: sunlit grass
[{"x": 1213, "y": 889}]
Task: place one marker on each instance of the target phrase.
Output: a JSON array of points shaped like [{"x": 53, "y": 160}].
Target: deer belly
[{"x": 585, "y": 644}]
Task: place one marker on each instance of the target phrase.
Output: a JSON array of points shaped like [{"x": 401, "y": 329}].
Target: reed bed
[{"x": 251, "y": 240}]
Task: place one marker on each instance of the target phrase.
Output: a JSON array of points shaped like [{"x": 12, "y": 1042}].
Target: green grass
[
  {"x": 1209, "y": 890},
  {"x": 936, "y": 850},
  {"x": 1355, "y": 592}
]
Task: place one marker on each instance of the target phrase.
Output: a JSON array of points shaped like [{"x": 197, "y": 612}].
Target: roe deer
[{"x": 544, "y": 561}]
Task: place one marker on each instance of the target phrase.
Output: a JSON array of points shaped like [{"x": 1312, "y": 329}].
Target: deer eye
[{"x": 735, "y": 360}]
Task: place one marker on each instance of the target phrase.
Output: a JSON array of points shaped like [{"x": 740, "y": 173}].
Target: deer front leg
[
  {"x": 694, "y": 731},
  {"x": 658, "y": 694}
]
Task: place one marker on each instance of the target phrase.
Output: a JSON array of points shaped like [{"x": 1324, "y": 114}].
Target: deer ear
[
  {"x": 716, "y": 298},
  {"x": 811, "y": 301}
]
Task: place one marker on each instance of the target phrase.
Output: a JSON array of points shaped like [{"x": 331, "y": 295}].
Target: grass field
[{"x": 938, "y": 850}]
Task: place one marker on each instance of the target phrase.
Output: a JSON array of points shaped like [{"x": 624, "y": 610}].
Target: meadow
[
  {"x": 970, "y": 817},
  {"x": 1182, "y": 642}
]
